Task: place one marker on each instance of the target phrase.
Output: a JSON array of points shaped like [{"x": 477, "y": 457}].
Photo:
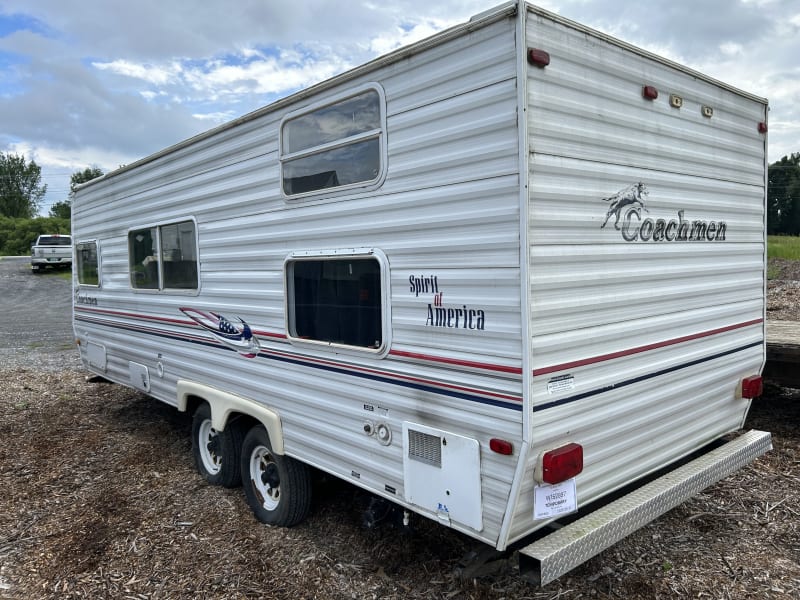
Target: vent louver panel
[{"x": 425, "y": 448}]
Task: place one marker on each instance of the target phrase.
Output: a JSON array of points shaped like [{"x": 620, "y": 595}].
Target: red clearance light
[
  {"x": 562, "y": 463},
  {"x": 649, "y": 92},
  {"x": 762, "y": 127},
  {"x": 538, "y": 57},
  {"x": 752, "y": 387},
  {"x": 501, "y": 446}
]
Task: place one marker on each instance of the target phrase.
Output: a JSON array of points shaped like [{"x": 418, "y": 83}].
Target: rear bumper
[{"x": 550, "y": 557}]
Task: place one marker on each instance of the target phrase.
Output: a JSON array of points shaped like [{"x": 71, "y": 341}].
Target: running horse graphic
[{"x": 632, "y": 196}]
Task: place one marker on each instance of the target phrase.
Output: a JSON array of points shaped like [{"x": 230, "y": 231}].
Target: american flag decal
[{"x": 238, "y": 336}]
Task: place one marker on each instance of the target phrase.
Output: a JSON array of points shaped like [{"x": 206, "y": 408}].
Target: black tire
[
  {"x": 278, "y": 488},
  {"x": 216, "y": 453}
]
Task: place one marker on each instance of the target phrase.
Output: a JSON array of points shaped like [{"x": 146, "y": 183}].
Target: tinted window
[
  {"x": 332, "y": 168},
  {"x": 336, "y": 145},
  {"x": 143, "y": 257},
  {"x": 336, "y": 301},
  {"x": 164, "y": 257},
  {"x": 87, "y": 263},
  {"x": 359, "y": 114}
]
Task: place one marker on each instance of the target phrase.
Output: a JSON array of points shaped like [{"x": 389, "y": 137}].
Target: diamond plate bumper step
[{"x": 550, "y": 557}]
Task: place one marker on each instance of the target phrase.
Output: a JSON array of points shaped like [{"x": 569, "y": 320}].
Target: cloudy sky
[{"x": 104, "y": 82}]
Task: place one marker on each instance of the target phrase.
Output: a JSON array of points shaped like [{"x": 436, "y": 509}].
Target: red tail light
[
  {"x": 501, "y": 446},
  {"x": 649, "y": 92},
  {"x": 562, "y": 463},
  {"x": 753, "y": 386},
  {"x": 538, "y": 57}
]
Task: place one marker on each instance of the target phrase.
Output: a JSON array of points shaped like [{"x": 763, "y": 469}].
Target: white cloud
[
  {"x": 262, "y": 77},
  {"x": 731, "y": 49},
  {"x": 231, "y": 77},
  {"x": 399, "y": 36},
  {"x": 215, "y": 117},
  {"x": 156, "y": 75},
  {"x": 151, "y": 95}
]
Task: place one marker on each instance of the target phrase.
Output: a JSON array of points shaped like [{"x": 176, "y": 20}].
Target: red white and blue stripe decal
[
  {"x": 241, "y": 338},
  {"x": 154, "y": 325}
]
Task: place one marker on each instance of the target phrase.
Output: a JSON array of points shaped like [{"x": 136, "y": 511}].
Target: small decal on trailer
[
  {"x": 84, "y": 298},
  {"x": 441, "y": 315},
  {"x": 562, "y": 383},
  {"x": 553, "y": 500},
  {"x": 234, "y": 335}
]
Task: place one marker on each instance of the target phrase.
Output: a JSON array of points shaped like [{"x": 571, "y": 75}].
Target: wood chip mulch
[{"x": 100, "y": 500}]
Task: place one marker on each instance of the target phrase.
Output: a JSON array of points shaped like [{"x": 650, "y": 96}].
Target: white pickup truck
[{"x": 52, "y": 250}]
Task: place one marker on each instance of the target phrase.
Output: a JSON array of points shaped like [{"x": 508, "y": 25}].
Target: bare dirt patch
[{"x": 99, "y": 499}]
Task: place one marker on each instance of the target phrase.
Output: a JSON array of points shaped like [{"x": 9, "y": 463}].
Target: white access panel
[
  {"x": 96, "y": 355},
  {"x": 140, "y": 376},
  {"x": 442, "y": 474}
]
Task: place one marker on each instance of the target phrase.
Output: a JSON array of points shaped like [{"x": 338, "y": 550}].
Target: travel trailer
[{"x": 495, "y": 277}]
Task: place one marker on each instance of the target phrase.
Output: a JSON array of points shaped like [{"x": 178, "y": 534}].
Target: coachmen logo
[{"x": 627, "y": 205}]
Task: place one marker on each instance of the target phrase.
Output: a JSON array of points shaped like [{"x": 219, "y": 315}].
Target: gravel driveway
[{"x": 36, "y": 328}]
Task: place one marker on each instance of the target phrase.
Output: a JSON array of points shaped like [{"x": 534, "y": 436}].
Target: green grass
[
  {"x": 783, "y": 246},
  {"x": 773, "y": 272}
]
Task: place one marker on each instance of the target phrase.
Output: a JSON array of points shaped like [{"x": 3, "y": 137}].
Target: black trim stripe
[{"x": 613, "y": 386}]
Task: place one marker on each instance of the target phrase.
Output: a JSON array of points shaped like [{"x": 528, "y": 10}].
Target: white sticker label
[
  {"x": 562, "y": 383},
  {"x": 553, "y": 500}
]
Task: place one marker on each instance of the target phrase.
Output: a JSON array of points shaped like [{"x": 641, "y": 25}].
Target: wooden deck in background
[{"x": 783, "y": 353}]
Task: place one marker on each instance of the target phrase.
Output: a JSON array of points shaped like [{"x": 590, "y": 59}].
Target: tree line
[{"x": 21, "y": 194}]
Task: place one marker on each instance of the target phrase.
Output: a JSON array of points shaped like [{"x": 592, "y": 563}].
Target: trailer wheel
[
  {"x": 278, "y": 488},
  {"x": 216, "y": 453}
]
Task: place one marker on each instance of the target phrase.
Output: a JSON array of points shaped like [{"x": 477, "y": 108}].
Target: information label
[
  {"x": 562, "y": 383},
  {"x": 553, "y": 500}
]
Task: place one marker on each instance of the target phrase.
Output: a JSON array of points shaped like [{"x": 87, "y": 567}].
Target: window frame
[
  {"x": 340, "y": 254},
  {"x": 380, "y": 134},
  {"x": 76, "y": 260},
  {"x": 161, "y": 289}
]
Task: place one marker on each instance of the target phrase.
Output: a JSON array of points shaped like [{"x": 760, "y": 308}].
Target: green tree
[
  {"x": 17, "y": 235},
  {"x": 61, "y": 209},
  {"x": 783, "y": 196},
  {"x": 87, "y": 174},
  {"x": 21, "y": 189}
]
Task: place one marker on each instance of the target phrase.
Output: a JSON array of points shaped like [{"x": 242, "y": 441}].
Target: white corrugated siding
[
  {"x": 655, "y": 334},
  {"x": 449, "y": 207}
]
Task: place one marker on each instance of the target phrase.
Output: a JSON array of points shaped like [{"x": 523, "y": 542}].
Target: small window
[
  {"x": 88, "y": 266},
  {"x": 333, "y": 146},
  {"x": 164, "y": 257},
  {"x": 336, "y": 300}
]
